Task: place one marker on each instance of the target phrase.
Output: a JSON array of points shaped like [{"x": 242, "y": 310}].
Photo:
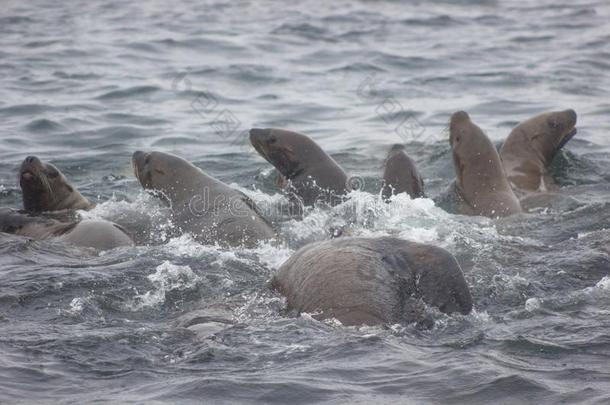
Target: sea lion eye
[
  {"x": 53, "y": 174},
  {"x": 272, "y": 139},
  {"x": 147, "y": 160},
  {"x": 553, "y": 123}
]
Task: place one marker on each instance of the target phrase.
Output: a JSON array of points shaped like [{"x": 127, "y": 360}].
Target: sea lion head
[
  {"x": 549, "y": 132},
  {"x": 469, "y": 144},
  {"x": 480, "y": 177},
  {"x": 11, "y": 221},
  {"x": 290, "y": 152},
  {"x": 463, "y": 133},
  {"x": 163, "y": 173},
  {"x": 400, "y": 174},
  {"x": 34, "y": 226},
  {"x": 430, "y": 272},
  {"x": 532, "y": 145},
  {"x": 45, "y": 188}
]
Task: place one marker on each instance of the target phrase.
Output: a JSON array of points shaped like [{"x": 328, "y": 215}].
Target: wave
[{"x": 130, "y": 92}]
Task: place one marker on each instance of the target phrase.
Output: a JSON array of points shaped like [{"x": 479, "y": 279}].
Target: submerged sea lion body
[
  {"x": 97, "y": 234},
  {"x": 46, "y": 189},
  {"x": 531, "y": 146},
  {"x": 206, "y": 208},
  {"x": 372, "y": 280},
  {"x": 400, "y": 175},
  {"x": 307, "y": 171},
  {"x": 481, "y": 184}
]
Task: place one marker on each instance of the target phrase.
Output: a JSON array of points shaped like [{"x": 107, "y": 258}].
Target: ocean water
[{"x": 86, "y": 83}]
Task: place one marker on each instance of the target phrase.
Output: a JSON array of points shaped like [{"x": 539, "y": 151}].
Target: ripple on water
[
  {"x": 134, "y": 91},
  {"x": 44, "y": 125},
  {"x": 85, "y": 85}
]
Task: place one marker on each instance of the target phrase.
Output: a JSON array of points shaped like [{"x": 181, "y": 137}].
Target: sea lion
[
  {"x": 46, "y": 189},
  {"x": 308, "y": 172},
  {"x": 481, "y": 186},
  {"x": 97, "y": 234},
  {"x": 206, "y": 323},
  {"x": 205, "y": 207},
  {"x": 400, "y": 175},
  {"x": 372, "y": 281},
  {"x": 531, "y": 146}
]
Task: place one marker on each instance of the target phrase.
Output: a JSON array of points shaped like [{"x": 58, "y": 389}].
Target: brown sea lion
[
  {"x": 46, "y": 189},
  {"x": 201, "y": 205},
  {"x": 481, "y": 186},
  {"x": 97, "y": 234},
  {"x": 400, "y": 175},
  {"x": 531, "y": 146},
  {"x": 372, "y": 281},
  {"x": 309, "y": 173}
]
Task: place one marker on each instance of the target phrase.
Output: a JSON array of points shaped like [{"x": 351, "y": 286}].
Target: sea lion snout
[
  {"x": 260, "y": 137},
  {"x": 258, "y": 133},
  {"x": 138, "y": 162},
  {"x": 30, "y": 167},
  {"x": 458, "y": 118},
  {"x": 32, "y": 160},
  {"x": 138, "y": 157},
  {"x": 562, "y": 126},
  {"x": 572, "y": 114},
  {"x": 397, "y": 148},
  {"x": 562, "y": 119}
]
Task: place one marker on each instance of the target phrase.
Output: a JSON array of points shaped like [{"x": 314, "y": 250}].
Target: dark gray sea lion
[
  {"x": 400, "y": 175},
  {"x": 46, "y": 189},
  {"x": 308, "y": 172},
  {"x": 531, "y": 146},
  {"x": 97, "y": 234},
  {"x": 372, "y": 281},
  {"x": 207, "y": 323},
  {"x": 481, "y": 186},
  {"x": 201, "y": 205}
]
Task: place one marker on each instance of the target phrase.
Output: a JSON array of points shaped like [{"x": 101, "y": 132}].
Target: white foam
[
  {"x": 186, "y": 246},
  {"x": 167, "y": 277},
  {"x": 79, "y": 305},
  {"x": 260, "y": 305},
  {"x": 143, "y": 203},
  {"x": 604, "y": 283},
  {"x": 480, "y": 317},
  {"x": 533, "y": 304},
  {"x": 76, "y": 306},
  {"x": 273, "y": 256}
]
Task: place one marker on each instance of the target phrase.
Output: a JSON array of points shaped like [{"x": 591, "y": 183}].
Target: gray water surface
[{"x": 85, "y": 83}]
